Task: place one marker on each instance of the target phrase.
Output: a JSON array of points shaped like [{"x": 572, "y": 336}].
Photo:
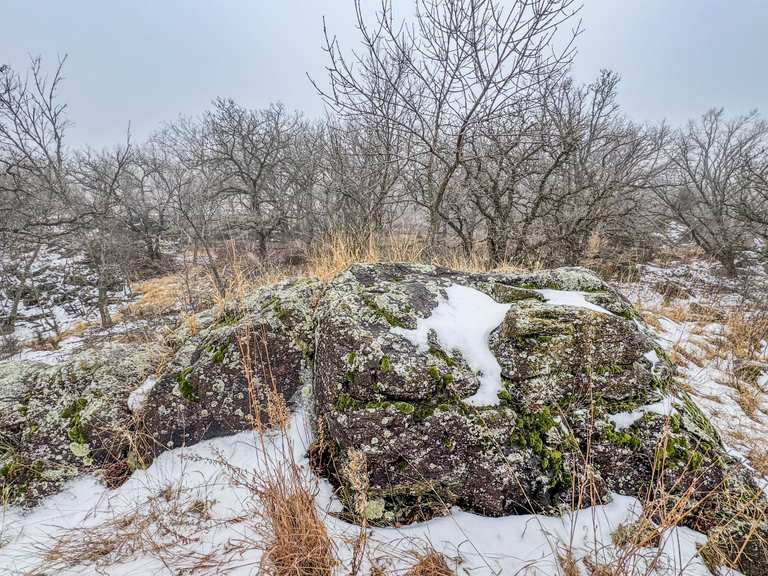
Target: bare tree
[
  {"x": 35, "y": 188},
  {"x": 100, "y": 176},
  {"x": 32, "y": 155},
  {"x": 146, "y": 202},
  {"x": 250, "y": 150},
  {"x": 183, "y": 171},
  {"x": 365, "y": 178},
  {"x": 457, "y": 65},
  {"x": 711, "y": 161},
  {"x": 752, "y": 204}
]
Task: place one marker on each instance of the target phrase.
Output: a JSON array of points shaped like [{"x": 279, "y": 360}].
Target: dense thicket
[{"x": 460, "y": 126}]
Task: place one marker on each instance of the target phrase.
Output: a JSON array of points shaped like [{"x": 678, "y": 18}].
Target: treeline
[{"x": 460, "y": 125}]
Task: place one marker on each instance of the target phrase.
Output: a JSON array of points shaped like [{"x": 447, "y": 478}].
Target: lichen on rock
[
  {"x": 219, "y": 379},
  {"x": 61, "y": 421},
  {"x": 567, "y": 373}
]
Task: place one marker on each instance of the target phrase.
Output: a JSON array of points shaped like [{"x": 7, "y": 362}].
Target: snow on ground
[
  {"x": 710, "y": 378},
  {"x": 155, "y": 524},
  {"x": 61, "y": 293}
]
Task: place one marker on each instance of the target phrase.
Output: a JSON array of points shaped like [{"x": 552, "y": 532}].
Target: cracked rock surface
[{"x": 548, "y": 441}]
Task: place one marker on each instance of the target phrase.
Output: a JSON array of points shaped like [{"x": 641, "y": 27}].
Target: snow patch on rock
[
  {"x": 138, "y": 397},
  {"x": 623, "y": 420},
  {"x": 463, "y": 322},
  {"x": 570, "y": 298}
]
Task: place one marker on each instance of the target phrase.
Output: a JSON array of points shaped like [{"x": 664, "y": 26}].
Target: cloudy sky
[{"x": 147, "y": 61}]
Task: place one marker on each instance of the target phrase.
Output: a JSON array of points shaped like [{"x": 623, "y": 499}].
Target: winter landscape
[{"x": 471, "y": 318}]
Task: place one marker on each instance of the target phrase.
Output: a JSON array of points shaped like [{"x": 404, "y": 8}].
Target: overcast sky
[{"x": 147, "y": 61}]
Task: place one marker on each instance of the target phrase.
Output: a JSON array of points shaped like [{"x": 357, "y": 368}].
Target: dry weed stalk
[
  {"x": 292, "y": 536},
  {"x": 356, "y": 474},
  {"x": 296, "y": 542}
]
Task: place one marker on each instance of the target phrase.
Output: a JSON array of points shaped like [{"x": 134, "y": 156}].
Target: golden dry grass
[
  {"x": 429, "y": 563},
  {"x": 297, "y": 543},
  {"x": 156, "y": 296},
  {"x": 758, "y": 456},
  {"x": 337, "y": 252}
]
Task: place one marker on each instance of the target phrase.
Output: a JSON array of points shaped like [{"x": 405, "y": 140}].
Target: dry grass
[
  {"x": 569, "y": 566},
  {"x": 293, "y": 537},
  {"x": 338, "y": 252},
  {"x": 429, "y": 563},
  {"x": 741, "y": 350},
  {"x": 297, "y": 542},
  {"x": 759, "y": 458},
  {"x": 154, "y": 528},
  {"x": 157, "y": 296},
  {"x": 746, "y": 330}
]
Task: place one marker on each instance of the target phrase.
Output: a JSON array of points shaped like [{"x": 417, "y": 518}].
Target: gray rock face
[
  {"x": 407, "y": 410},
  {"x": 585, "y": 406},
  {"x": 59, "y": 421},
  {"x": 204, "y": 392}
]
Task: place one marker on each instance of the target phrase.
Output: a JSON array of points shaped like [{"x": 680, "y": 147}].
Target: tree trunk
[
  {"x": 433, "y": 234},
  {"x": 18, "y": 294},
  {"x": 262, "y": 238},
  {"x": 103, "y": 304},
  {"x": 152, "y": 245},
  {"x": 727, "y": 259},
  {"x": 497, "y": 244}
]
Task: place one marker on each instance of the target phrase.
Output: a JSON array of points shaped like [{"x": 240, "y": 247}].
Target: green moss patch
[
  {"x": 72, "y": 414},
  {"x": 186, "y": 388},
  {"x": 381, "y": 312}
]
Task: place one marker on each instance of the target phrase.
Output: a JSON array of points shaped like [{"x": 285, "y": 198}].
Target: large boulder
[
  {"x": 508, "y": 393},
  {"x": 60, "y": 421},
  {"x": 220, "y": 379},
  {"x": 501, "y": 393}
]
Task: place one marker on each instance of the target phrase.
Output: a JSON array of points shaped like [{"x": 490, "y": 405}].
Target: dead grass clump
[
  {"x": 339, "y": 251},
  {"x": 429, "y": 563},
  {"x": 569, "y": 566},
  {"x": 191, "y": 326},
  {"x": 746, "y": 330},
  {"x": 157, "y": 296},
  {"x": 742, "y": 351},
  {"x": 155, "y": 527},
  {"x": 291, "y": 534},
  {"x": 296, "y": 541},
  {"x": 759, "y": 459}
]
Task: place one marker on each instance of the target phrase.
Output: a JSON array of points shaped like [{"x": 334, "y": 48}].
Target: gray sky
[{"x": 149, "y": 61}]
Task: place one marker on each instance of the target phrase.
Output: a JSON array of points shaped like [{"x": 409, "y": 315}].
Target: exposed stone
[
  {"x": 569, "y": 374},
  {"x": 204, "y": 391},
  {"x": 586, "y": 405},
  {"x": 60, "y": 421}
]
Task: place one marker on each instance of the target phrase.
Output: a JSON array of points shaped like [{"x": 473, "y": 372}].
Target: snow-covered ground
[
  {"x": 694, "y": 329},
  {"x": 61, "y": 294},
  {"x": 187, "y": 513}
]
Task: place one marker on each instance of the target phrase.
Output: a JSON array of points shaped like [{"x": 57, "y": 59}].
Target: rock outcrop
[
  {"x": 584, "y": 406},
  {"x": 500, "y": 393},
  {"x": 60, "y": 421},
  {"x": 219, "y": 379}
]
